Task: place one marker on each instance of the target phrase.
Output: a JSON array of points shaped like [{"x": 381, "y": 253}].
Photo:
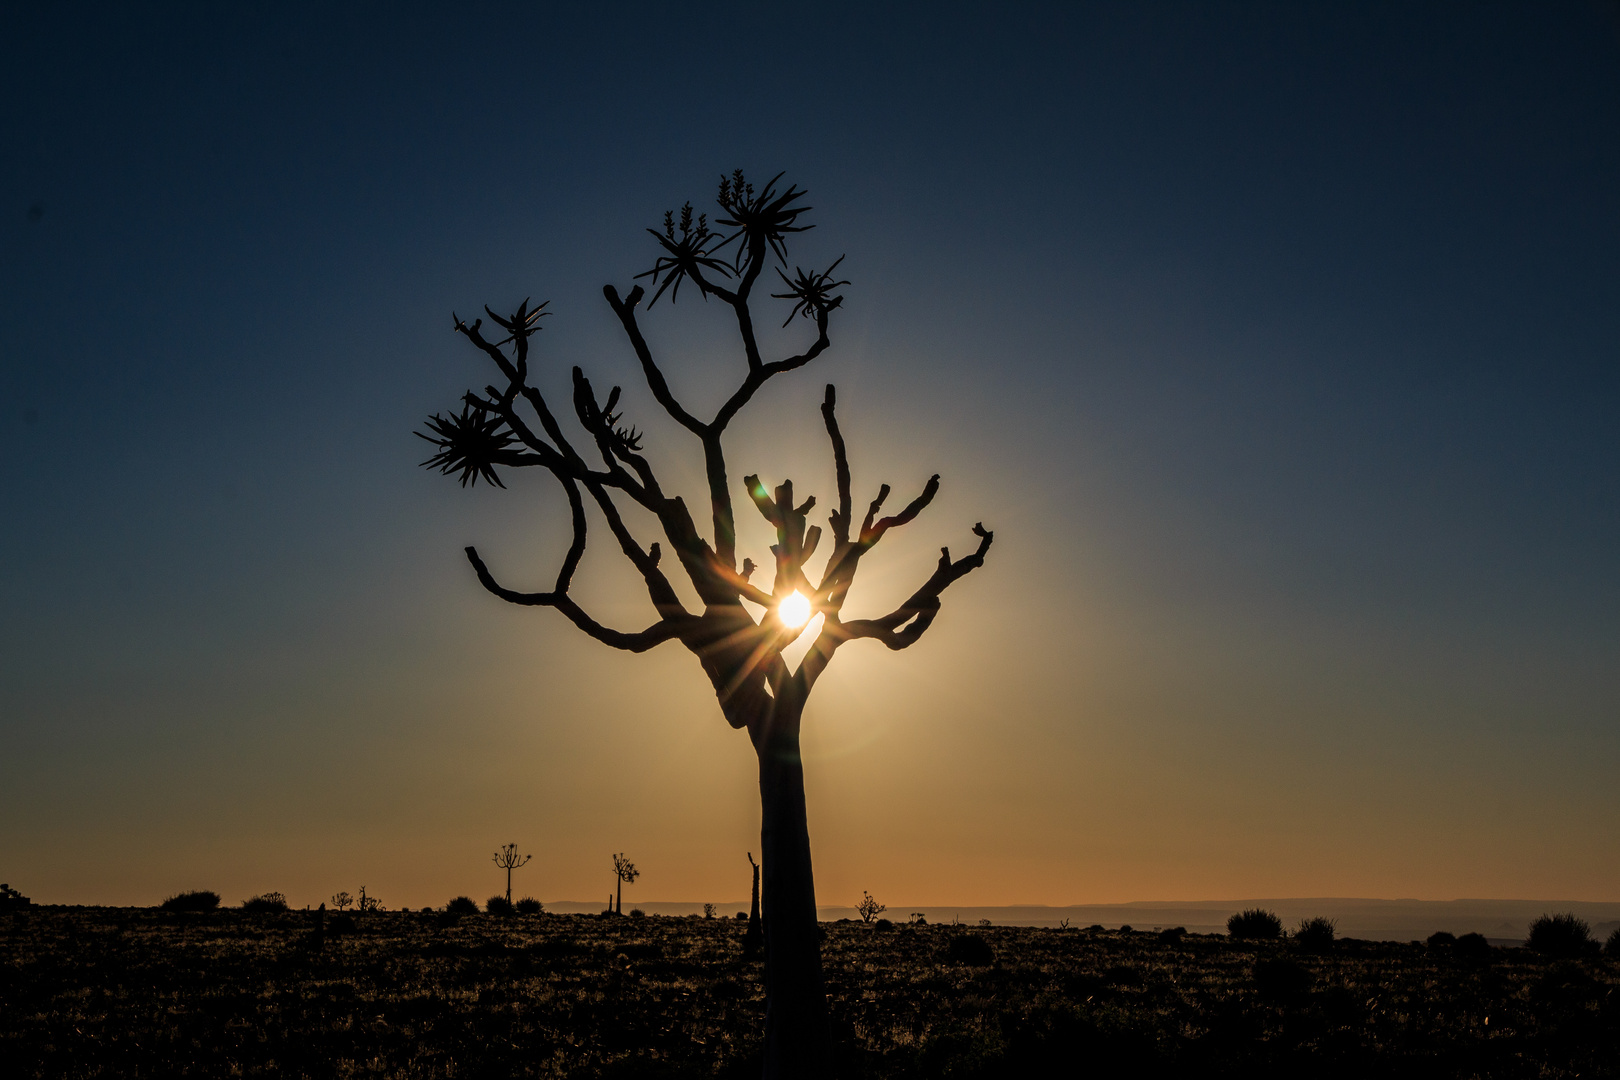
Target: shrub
[
  {"x": 869, "y": 909},
  {"x": 1561, "y": 936},
  {"x": 1441, "y": 939},
  {"x": 1612, "y": 946},
  {"x": 883, "y": 924},
  {"x": 195, "y": 900},
  {"x": 1172, "y": 935},
  {"x": 637, "y": 913},
  {"x": 270, "y": 901},
  {"x": 1126, "y": 929},
  {"x": 742, "y": 916},
  {"x": 1473, "y": 946},
  {"x": 462, "y": 905},
  {"x": 1315, "y": 933},
  {"x": 499, "y": 905},
  {"x": 970, "y": 949},
  {"x": 708, "y": 911},
  {"x": 1256, "y": 924},
  {"x": 529, "y": 906}
]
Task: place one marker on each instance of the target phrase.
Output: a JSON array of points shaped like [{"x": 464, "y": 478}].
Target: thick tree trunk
[{"x": 795, "y": 998}]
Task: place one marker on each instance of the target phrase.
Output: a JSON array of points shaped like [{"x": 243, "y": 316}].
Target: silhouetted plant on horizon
[
  {"x": 194, "y": 900},
  {"x": 1565, "y": 936},
  {"x": 462, "y": 905},
  {"x": 529, "y": 906},
  {"x": 626, "y": 873},
  {"x": 869, "y": 909},
  {"x": 508, "y": 860},
  {"x": 270, "y": 901},
  {"x": 342, "y": 901},
  {"x": 1612, "y": 946},
  {"x": 1254, "y": 924},
  {"x": 1315, "y": 933},
  {"x": 500, "y": 905},
  {"x": 511, "y": 425}
]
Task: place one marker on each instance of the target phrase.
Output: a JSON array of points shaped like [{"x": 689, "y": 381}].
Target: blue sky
[{"x": 1277, "y": 343}]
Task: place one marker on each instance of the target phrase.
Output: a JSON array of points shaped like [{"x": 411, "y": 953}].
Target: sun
[{"x": 795, "y": 610}]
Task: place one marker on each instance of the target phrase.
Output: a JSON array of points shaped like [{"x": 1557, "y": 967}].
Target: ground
[{"x": 115, "y": 992}]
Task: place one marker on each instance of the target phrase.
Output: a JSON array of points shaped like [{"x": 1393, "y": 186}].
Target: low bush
[
  {"x": 270, "y": 901},
  {"x": 499, "y": 905},
  {"x": 1473, "y": 946},
  {"x": 1317, "y": 933},
  {"x": 1562, "y": 936},
  {"x": 970, "y": 949},
  {"x": 883, "y": 924},
  {"x": 529, "y": 906},
  {"x": 1612, "y": 946},
  {"x": 1172, "y": 935},
  {"x": 462, "y": 905},
  {"x": 1441, "y": 939},
  {"x": 637, "y": 913},
  {"x": 1254, "y": 924},
  {"x": 195, "y": 900}
]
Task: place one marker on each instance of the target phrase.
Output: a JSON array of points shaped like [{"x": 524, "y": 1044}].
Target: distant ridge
[{"x": 1503, "y": 921}]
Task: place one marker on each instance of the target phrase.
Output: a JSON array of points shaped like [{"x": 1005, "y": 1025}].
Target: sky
[{"x": 1277, "y": 344}]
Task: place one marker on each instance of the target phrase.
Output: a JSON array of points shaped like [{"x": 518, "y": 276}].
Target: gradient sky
[{"x": 1277, "y": 344}]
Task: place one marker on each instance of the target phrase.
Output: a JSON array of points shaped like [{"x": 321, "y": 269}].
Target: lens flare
[{"x": 795, "y": 610}]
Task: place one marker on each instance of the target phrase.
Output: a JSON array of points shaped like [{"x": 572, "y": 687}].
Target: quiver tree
[
  {"x": 508, "y": 859},
  {"x": 511, "y": 425},
  {"x": 626, "y": 873}
]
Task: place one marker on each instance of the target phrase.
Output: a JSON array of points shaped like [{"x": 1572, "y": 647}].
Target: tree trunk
[
  {"x": 795, "y": 998},
  {"x": 618, "y": 908}
]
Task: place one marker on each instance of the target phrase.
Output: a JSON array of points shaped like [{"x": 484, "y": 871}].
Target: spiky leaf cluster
[
  {"x": 522, "y": 323},
  {"x": 766, "y": 216},
  {"x": 811, "y": 293},
  {"x": 685, "y": 256},
  {"x": 471, "y": 444}
]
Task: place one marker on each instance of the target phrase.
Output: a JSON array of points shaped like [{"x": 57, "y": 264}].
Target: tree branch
[
  {"x": 626, "y": 311},
  {"x": 656, "y": 634}
]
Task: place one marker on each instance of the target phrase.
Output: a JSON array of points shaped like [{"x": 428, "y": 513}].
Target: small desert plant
[
  {"x": 462, "y": 905},
  {"x": 971, "y": 949},
  {"x": 529, "y": 906},
  {"x": 708, "y": 911},
  {"x": 1254, "y": 924},
  {"x": 270, "y": 901},
  {"x": 1172, "y": 935},
  {"x": 883, "y": 924},
  {"x": 1560, "y": 936},
  {"x": 1473, "y": 946},
  {"x": 1126, "y": 929},
  {"x": 742, "y": 916},
  {"x": 1441, "y": 939},
  {"x": 367, "y": 903},
  {"x": 869, "y": 909},
  {"x": 1315, "y": 933},
  {"x": 1612, "y": 946},
  {"x": 342, "y": 901},
  {"x": 195, "y": 900},
  {"x": 918, "y": 918},
  {"x": 499, "y": 905},
  {"x": 637, "y": 913}
]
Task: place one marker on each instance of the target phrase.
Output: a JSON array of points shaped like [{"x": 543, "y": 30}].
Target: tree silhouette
[
  {"x": 755, "y": 933},
  {"x": 511, "y": 425},
  {"x": 869, "y": 909},
  {"x": 508, "y": 860},
  {"x": 626, "y": 872}
]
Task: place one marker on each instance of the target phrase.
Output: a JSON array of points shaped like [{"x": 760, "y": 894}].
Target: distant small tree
[
  {"x": 342, "y": 901},
  {"x": 1255, "y": 924},
  {"x": 367, "y": 903},
  {"x": 1561, "y": 936},
  {"x": 708, "y": 911},
  {"x": 626, "y": 872},
  {"x": 868, "y": 908},
  {"x": 508, "y": 860}
]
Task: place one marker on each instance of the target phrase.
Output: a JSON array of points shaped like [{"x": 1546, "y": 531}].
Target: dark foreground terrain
[{"x": 97, "y": 992}]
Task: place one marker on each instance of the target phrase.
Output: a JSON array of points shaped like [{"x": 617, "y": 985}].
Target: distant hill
[{"x": 1503, "y": 921}]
